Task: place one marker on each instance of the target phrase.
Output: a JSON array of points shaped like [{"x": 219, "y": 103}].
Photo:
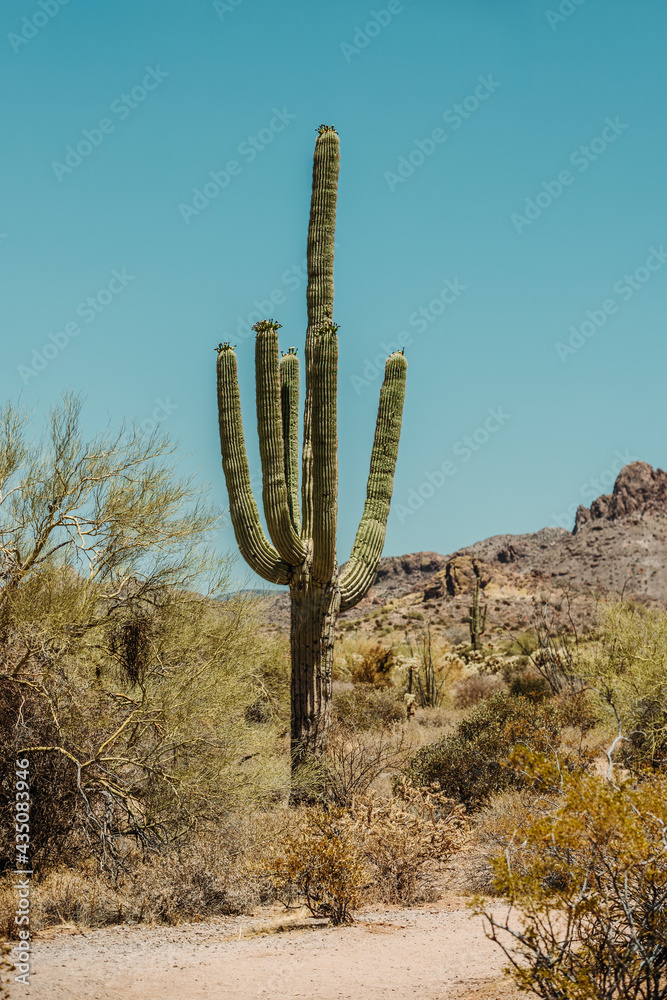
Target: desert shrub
[
  {"x": 374, "y": 667},
  {"x": 406, "y": 840},
  {"x": 471, "y": 764},
  {"x": 579, "y": 710},
  {"x": 122, "y": 684},
  {"x": 494, "y": 828},
  {"x": 357, "y": 758},
  {"x": 210, "y": 875},
  {"x": 56, "y": 806},
  {"x": 335, "y": 859},
  {"x": 591, "y": 891},
  {"x": 475, "y": 688},
  {"x": 318, "y": 863},
  {"x": 429, "y": 667},
  {"x": 112, "y": 758},
  {"x": 367, "y": 707},
  {"x": 628, "y": 668},
  {"x": 529, "y": 684},
  {"x": 552, "y": 644}
]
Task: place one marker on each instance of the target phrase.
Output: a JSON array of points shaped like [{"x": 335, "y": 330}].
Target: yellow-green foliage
[
  {"x": 628, "y": 666},
  {"x": 318, "y": 863},
  {"x": 129, "y": 691},
  {"x": 160, "y": 731},
  {"x": 589, "y": 880}
]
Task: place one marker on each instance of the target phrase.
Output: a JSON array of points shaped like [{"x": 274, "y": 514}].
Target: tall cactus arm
[
  {"x": 320, "y": 294},
  {"x": 324, "y": 380},
  {"x": 289, "y": 404},
  {"x": 271, "y": 450},
  {"x": 359, "y": 573},
  {"x": 252, "y": 542}
]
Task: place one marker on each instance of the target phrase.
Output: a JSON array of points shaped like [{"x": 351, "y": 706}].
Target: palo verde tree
[{"x": 303, "y": 553}]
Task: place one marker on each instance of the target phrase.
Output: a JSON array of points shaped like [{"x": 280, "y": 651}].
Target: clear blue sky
[{"x": 543, "y": 90}]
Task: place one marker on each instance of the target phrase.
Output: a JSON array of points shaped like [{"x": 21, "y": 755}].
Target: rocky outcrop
[
  {"x": 461, "y": 573},
  {"x": 639, "y": 489},
  {"x": 398, "y": 575}
]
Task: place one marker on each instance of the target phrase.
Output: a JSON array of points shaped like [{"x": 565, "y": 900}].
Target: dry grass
[
  {"x": 209, "y": 877},
  {"x": 474, "y": 688}
]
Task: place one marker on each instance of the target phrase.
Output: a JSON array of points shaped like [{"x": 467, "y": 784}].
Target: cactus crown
[
  {"x": 325, "y": 128},
  {"x": 266, "y": 324},
  {"x": 225, "y": 347},
  {"x": 292, "y": 351},
  {"x": 328, "y": 327}
]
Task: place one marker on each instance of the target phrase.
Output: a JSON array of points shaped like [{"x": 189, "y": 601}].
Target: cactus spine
[{"x": 302, "y": 547}]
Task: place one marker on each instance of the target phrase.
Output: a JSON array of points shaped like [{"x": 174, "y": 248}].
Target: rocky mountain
[{"x": 618, "y": 547}]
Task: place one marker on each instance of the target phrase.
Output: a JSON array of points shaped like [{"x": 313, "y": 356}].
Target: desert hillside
[{"x": 618, "y": 546}]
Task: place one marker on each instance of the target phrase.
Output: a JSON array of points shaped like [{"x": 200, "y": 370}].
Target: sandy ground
[{"x": 434, "y": 952}]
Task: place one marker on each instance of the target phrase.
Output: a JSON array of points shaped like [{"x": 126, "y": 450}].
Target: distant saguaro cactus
[
  {"x": 303, "y": 553},
  {"x": 477, "y": 618}
]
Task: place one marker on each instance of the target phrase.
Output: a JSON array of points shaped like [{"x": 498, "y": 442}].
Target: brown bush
[
  {"x": 366, "y": 707},
  {"x": 355, "y": 759},
  {"x": 375, "y": 667},
  {"x": 476, "y": 688},
  {"x": 211, "y": 876},
  {"x": 55, "y": 803},
  {"x": 406, "y": 840},
  {"x": 390, "y": 850},
  {"x": 318, "y": 863}
]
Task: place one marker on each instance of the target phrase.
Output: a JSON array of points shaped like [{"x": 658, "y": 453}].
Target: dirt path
[{"x": 435, "y": 953}]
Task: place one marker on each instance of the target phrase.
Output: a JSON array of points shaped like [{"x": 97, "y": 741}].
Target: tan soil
[{"x": 434, "y": 952}]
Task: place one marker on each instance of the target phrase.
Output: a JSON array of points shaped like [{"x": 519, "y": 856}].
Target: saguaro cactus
[
  {"x": 303, "y": 553},
  {"x": 477, "y": 618}
]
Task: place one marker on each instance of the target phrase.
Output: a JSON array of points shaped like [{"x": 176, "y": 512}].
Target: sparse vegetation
[
  {"x": 589, "y": 879},
  {"x": 472, "y": 764},
  {"x": 157, "y": 722}
]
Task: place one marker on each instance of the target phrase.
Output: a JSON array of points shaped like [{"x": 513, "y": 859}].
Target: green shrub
[
  {"x": 529, "y": 684},
  {"x": 628, "y": 668},
  {"x": 471, "y": 764},
  {"x": 366, "y": 707},
  {"x": 589, "y": 882}
]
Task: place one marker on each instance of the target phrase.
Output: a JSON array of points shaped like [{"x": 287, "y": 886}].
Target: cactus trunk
[
  {"x": 302, "y": 547},
  {"x": 314, "y": 610}
]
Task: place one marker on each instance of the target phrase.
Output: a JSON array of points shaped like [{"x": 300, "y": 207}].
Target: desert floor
[{"x": 433, "y": 952}]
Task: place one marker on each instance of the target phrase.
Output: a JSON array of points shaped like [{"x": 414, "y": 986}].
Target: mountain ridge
[{"x": 618, "y": 548}]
